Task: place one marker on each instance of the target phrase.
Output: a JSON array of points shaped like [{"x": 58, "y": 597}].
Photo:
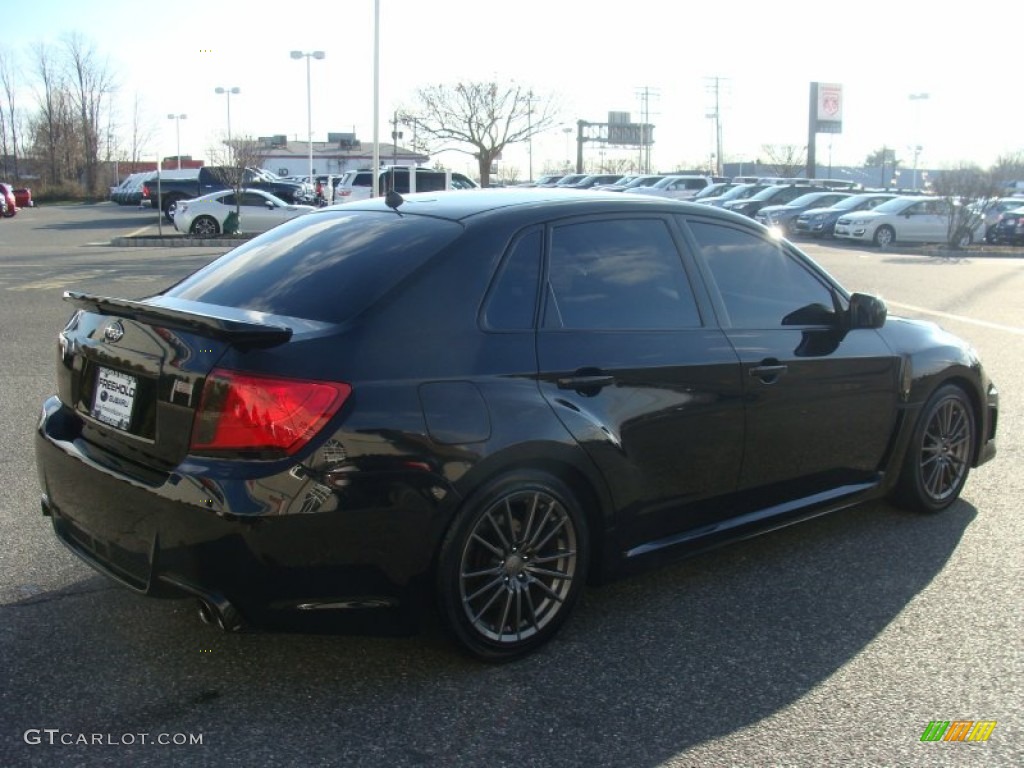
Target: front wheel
[
  {"x": 884, "y": 236},
  {"x": 939, "y": 457},
  {"x": 963, "y": 238},
  {"x": 513, "y": 565},
  {"x": 205, "y": 226}
]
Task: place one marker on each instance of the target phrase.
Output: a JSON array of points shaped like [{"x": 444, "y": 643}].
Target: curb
[{"x": 176, "y": 242}]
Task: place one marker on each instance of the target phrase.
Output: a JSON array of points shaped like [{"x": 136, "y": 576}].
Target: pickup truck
[{"x": 212, "y": 179}]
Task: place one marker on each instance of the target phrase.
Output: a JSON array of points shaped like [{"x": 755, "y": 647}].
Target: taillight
[
  {"x": 245, "y": 412},
  {"x": 145, "y": 191}
]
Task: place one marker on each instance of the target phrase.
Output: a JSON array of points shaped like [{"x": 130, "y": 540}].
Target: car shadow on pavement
[
  {"x": 647, "y": 668},
  {"x": 133, "y": 220}
]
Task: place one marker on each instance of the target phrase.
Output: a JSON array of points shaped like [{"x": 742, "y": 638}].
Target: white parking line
[{"x": 958, "y": 318}]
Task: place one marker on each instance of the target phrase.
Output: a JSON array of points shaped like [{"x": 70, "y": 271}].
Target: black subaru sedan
[{"x": 480, "y": 401}]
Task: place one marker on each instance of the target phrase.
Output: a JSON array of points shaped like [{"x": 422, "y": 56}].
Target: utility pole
[
  {"x": 715, "y": 113},
  {"x": 645, "y": 93}
]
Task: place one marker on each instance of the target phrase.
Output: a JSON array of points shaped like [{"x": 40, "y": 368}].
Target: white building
[{"x": 341, "y": 152}]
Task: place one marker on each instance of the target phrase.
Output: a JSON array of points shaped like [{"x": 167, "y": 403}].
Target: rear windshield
[{"x": 326, "y": 266}]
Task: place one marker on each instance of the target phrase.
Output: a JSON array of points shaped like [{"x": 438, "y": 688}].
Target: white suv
[{"x": 358, "y": 185}]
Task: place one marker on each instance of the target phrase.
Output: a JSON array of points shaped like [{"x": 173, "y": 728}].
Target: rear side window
[
  {"x": 619, "y": 274},
  {"x": 512, "y": 302},
  {"x": 326, "y": 266}
]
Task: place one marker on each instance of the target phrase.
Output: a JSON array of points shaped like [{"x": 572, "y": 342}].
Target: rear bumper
[{"x": 369, "y": 544}]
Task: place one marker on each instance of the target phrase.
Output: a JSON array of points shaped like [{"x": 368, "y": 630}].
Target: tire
[
  {"x": 205, "y": 226},
  {"x": 170, "y": 204},
  {"x": 884, "y": 236},
  {"x": 513, "y": 565},
  {"x": 939, "y": 456},
  {"x": 963, "y": 238}
]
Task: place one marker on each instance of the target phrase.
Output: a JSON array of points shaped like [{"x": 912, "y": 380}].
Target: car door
[
  {"x": 820, "y": 401},
  {"x": 255, "y": 215},
  {"x": 632, "y": 364}
]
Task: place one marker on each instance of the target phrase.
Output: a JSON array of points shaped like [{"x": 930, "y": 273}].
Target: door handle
[
  {"x": 769, "y": 373},
  {"x": 585, "y": 382}
]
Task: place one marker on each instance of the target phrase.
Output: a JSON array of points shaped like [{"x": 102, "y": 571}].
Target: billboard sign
[{"x": 830, "y": 108}]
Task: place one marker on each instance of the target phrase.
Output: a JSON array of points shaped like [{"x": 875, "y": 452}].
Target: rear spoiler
[{"x": 242, "y": 332}]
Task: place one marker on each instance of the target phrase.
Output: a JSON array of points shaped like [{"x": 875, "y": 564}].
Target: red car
[
  {"x": 23, "y": 198},
  {"x": 9, "y": 207}
]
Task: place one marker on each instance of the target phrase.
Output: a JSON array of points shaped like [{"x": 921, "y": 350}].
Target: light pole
[
  {"x": 568, "y": 158},
  {"x": 309, "y": 102},
  {"x": 227, "y": 92},
  {"x": 177, "y": 134},
  {"x": 917, "y": 130}
]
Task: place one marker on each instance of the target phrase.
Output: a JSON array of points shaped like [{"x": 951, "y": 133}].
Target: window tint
[
  {"x": 761, "y": 285},
  {"x": 326, "y": 266},
  {"x": 252, "y": 199},
  {"x": 512, "y": 302},
  {"x": 619, "y": 274}
]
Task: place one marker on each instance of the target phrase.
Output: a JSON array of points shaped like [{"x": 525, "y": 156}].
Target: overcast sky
[{"x": 590, "y": 57}]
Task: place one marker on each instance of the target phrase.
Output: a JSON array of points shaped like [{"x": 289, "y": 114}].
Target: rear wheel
[
  {"x": 939, "y": 457},
  {"x": 963, "y": 238},
  {"x": 513, "y": 565},
  {"x": 205, "y": 226},
  {"x": 884, "y": 236}
]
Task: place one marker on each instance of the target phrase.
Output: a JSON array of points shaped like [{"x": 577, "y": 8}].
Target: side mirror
[
  {"x": 867, "y": 311},
  {"x": 269, "y": 204}
]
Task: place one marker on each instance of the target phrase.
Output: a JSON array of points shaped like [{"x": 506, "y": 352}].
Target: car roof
[{"x": 463, "y": 204}]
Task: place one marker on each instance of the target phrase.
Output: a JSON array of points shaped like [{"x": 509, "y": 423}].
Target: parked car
[
  {"x": 174, "y": 186},
  {"x": 23, "y": 197},
  {"x": 783, "y": 217},
  {"x": 905, "y": 219},
  {"x": 490, "y": 398},
  {"x": 993, "y": 210},
  {"x": 258, "y": 211},
  {"x": 569, "y": 179},
  {"x": 632, "y": 182},
  {"x": 358, "y": 185},
  {"x": 589, "y": 182},
  {"x": 1010, "y": 228},
  {"x": 739, "y": 192},
  {"x": 129, "y": 191},
  {"x": 674, "y": 187},
  {"x": 10, "y": 206},
  {"x": 821, "y": 222},
  {"x": 546, "y": 181},
  {"x": 772, "y": 194},
  {"x": 717, "y": 189}
]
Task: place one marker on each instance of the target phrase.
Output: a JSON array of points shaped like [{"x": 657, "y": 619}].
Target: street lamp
[
  {"x": 227, "y": 92},
  {"x": 917, "y": 130},
  {"x": 177, "y": 134},
  {"x": 309, "y": 102},
  {"x": 568, "y": 158}
]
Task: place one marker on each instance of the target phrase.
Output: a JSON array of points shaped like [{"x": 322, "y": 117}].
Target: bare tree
[
  {"x": 964, "y": 188},
  {"x": 141, "y": 130},
  {"x": 46, "y": 131},
  {"x": 479, "y": 119},
  {"x": 233, "y": 166},
  {"x": 786, "y": 160},
  {"x": 8, "y": 122},
  {"x": 91, "y": 83},
  {"x": 1008, "y": 168}
]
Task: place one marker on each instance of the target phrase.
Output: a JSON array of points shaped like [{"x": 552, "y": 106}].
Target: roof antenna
[{"x": 393, "y": 199}]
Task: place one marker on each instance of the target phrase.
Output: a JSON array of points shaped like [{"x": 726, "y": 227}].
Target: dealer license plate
[{"x": 114, "y": 398}]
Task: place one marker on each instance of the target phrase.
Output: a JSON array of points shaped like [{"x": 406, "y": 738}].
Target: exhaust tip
[{"x": 224, "y": 616}]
